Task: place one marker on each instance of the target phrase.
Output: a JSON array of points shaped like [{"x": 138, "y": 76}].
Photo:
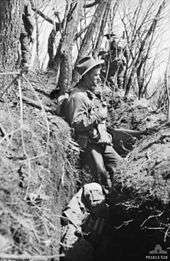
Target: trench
[
  {"x": 123, "y": 239},
  {"x": 139, "y": 211}
]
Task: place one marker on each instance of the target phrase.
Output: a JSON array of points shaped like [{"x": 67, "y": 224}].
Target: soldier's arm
[{"x": 80, "y": 117}]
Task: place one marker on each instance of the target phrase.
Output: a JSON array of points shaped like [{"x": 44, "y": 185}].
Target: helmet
[{"x": 93, "y": 194}]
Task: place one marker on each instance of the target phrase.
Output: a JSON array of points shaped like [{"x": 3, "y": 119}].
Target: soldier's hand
[{"x": 103, "y": 112}]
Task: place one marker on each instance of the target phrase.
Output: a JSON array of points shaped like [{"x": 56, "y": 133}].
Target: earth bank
[{"x": 39, "y": 174}]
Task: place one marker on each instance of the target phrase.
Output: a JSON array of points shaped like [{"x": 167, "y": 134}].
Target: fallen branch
[
  {"x": 157, "y": 140},
  {"x": 149, "y": 218},
  {"x": 36, "y": 105},
  {"x": 125, "y": 223},
  {"x": 128, "y": 132},
  {"x": 92, "y": 4}
]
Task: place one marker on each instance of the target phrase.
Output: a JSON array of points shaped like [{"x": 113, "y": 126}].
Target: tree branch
[
  {"x": 92, "y": 4},
  {"x": 80, "y": 33},
  {"x": 34, "y": 104},
  {"x": 45, "y": 17}
]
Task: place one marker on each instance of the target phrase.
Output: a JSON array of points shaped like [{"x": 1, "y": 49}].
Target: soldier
[
  {"x": 26, "y": 35},
  {"x": 87, "y": 113},
  {"x": 115, "y": 60},
  {"x": 83, "y": 222}
]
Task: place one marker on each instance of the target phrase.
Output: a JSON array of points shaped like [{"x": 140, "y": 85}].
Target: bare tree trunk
[
  {"x": 102, "y": 27},
  {"x": 148, "y": 36},
  {"x": 86, "y": 46},
  {"x": 64, "y": 53},
  {"x": 10, "y": 24},
  {"x": 93, "y": 28}
]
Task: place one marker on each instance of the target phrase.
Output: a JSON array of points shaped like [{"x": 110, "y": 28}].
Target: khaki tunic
[{"x": 87, "y": 115}]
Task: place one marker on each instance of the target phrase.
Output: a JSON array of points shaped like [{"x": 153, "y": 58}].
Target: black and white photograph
[{"x": 84, "y": 130}]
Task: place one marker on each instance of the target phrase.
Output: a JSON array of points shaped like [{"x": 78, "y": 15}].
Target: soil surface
[
  {"x": 39, "y": 173},
  {"x": 37, "y": 170}
]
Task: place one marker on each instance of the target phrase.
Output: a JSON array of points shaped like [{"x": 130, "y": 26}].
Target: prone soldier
[{"x": 83, "y": 222}]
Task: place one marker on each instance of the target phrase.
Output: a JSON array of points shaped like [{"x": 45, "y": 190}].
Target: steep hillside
[
  {"x": 39, "y": 174},
  {"x": 139, "y": 202},
  {"x": 37, "y": 171}
]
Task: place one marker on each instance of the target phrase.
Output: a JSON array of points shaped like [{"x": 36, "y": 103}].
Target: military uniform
[
  {"x": 87, "y": 116},
  {"x": 83, "y": 217},
  {"x": 26, "y": 34},
  {"x": 115, "y": 60}
]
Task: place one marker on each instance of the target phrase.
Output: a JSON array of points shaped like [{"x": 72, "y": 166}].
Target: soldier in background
[
  {"x": 115, "y": 60},
  {"x": 26, "y": 35}
]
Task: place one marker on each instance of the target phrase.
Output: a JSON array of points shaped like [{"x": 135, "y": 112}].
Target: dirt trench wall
[
  {"x": 37, "y": 177},
  {"x": 146, "y": 169},
  {"x": 140, "y": 202}
]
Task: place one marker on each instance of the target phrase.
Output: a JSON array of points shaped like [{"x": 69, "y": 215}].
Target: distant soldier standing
[
  {"x": 115, "y": 60},
  {"x": 26, "y": 35}
]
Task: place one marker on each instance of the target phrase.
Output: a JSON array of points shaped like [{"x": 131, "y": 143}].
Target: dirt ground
[
  {"x": 139, "y": 202},
  {"x": 39, "y": 174},
  {"x": 37, "y": 171}
]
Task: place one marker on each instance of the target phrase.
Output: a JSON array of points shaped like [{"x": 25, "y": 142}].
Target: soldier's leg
[
  {"x": 112, "y": 73},
  {"x": 97, "y": 166},
  {"x": 120, "y": 76},
  {"x": 25, "y": 49},
  {"x": 111, "y": 160}
]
